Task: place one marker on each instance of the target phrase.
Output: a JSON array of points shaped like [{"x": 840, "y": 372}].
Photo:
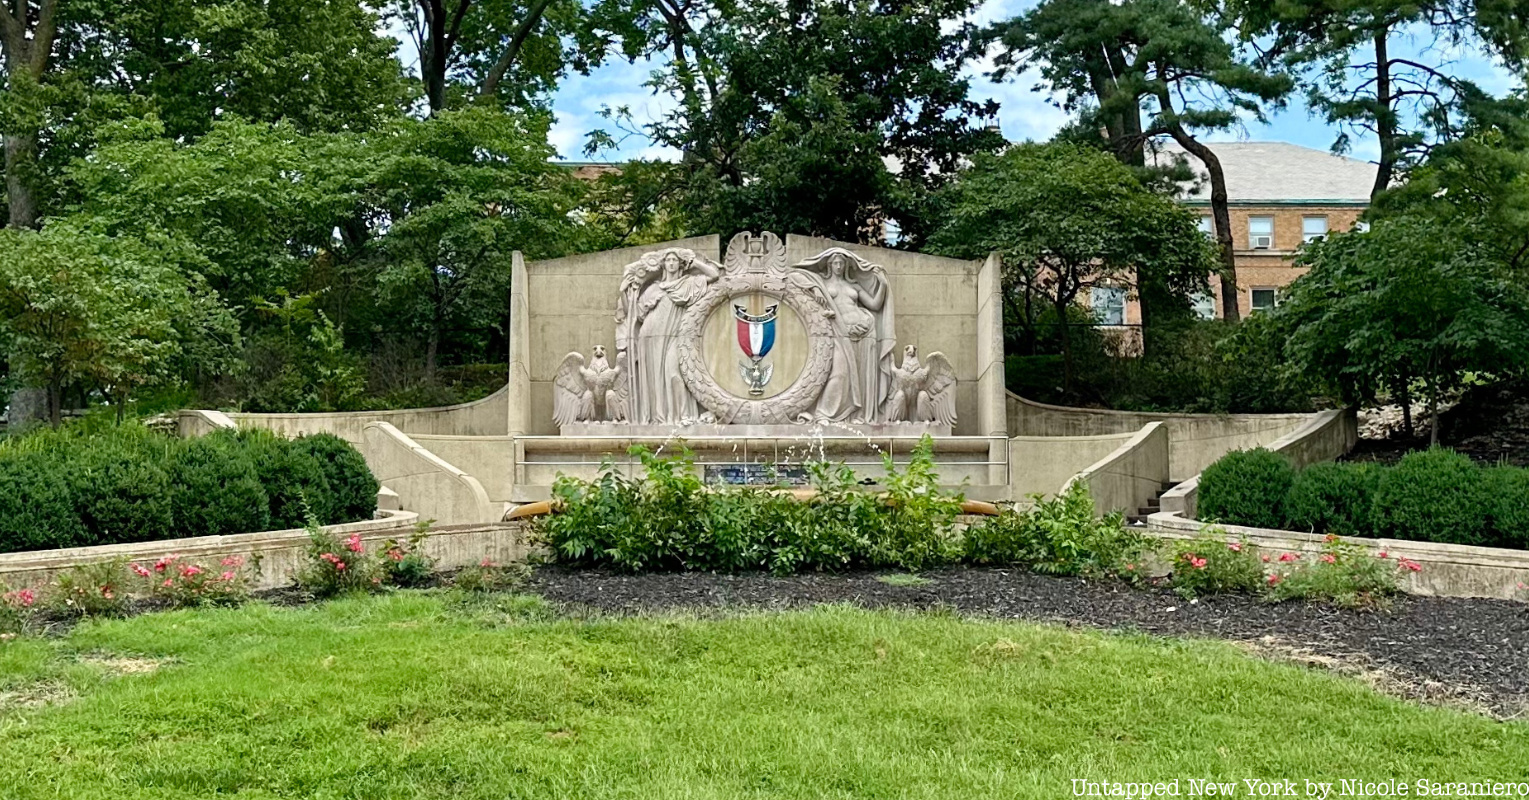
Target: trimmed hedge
[
  {"x": 1246, "y": 487},
  {"x": 1431, "y": 496},
  {"x": 75, "y": 487}
]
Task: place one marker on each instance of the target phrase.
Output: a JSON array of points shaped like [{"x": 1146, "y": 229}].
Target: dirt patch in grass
[
  {"x": 1469, "y": 652},
  {"x": 35, "y": 695}
]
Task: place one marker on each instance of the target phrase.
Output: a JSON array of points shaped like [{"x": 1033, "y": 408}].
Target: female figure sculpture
[
  {"x": 654, "y": 294},
  {"x": 860, "y": 304}
]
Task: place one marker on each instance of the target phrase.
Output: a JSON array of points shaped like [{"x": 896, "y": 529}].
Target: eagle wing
[
  {"x": 940, "y": 383},
  {"x": 570, "y": 392}
]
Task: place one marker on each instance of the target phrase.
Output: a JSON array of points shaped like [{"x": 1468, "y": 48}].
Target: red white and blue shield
[
  {"x": 756, "y": 335},
  {"x": 756, "y": 332}
]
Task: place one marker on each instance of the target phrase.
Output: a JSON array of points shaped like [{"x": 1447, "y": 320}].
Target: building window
[
  {"x": 1261, "y": 233},
  {"x": 1207, "y": 227},
  {"x": 1265, "y": 299},
  {"x": 1109, "y": 304},
  {"x": 1204, "y": 305},
  {"x": 1313, "y": 228}
]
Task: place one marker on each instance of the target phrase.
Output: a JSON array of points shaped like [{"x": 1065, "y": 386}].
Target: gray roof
[{"x": 1279, "y": 172}]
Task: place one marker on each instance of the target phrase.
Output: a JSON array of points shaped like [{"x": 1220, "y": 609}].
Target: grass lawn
[{"x": 418, "y": 695}]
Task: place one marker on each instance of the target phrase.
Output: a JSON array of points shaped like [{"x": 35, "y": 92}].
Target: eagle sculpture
[
  {"x": 592, "y": 392},
  {"x": 923, "y": 391}
]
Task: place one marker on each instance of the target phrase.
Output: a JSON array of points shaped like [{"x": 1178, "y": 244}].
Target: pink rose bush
[
  {"x": 186, "y": 584},
  {"x": 1209, "y": 564}
]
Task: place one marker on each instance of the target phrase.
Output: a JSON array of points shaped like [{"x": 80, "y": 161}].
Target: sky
[{"x": 1023, "y": 113}]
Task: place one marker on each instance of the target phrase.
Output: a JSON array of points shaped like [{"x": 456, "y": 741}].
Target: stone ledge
[
  {"x": 279, "y": 554},
  {"x": 1449, "y": 570}
]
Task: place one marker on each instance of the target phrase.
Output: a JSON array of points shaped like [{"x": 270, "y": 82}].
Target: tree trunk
[
  {"x": 1433, "y": 416},
  {"x": 20, "y": 164},
  {"x": 432, "y": 348},
  {"x": 1065, "y": 331},
  {"x": 1385, "y": 116},
  {"x": 1221, "y": 212},
  {"x": 1405, "y": 396},
  {"x": 55, "y": 404}
]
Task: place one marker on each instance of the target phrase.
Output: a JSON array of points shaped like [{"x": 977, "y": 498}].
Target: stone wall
[
  {"x": 486, "y": 417},
  {"x": 1131, "y": 476},
  {"x": 1194, "y": 440}
]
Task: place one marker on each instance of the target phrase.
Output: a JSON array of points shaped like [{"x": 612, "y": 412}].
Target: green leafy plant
[
  {"x": 404, "y": 564},
  {"x": 1436, "y": 495},
  {"x": 91, "y": 590},
  {"x": 1343, "y": 573},
  {"x": 1058, "y": 536},
  {"x": 1210, "y": 564},
  {"x": 337, "y": 566},
  {"x": 350, "y": 481},
  {"x": 294, "y": 482},
  {"x": 1246, "y": 487},
  {"x": 216, "y": 489},
  {"x": 916, "y": 532}
]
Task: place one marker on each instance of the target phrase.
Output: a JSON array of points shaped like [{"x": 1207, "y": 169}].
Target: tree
[
  {"x": 450, "y": 198},
  {"x": 1065, "y": 219},
  {"x": 821, "y": 117},
  {"x": 1360, "y": 84},
  {"x": 502, "y": 50},
  {"x": 27, "y": 30},
  {"x": 1408, "y": 301},
  {"x": 1165, "y": 54},
  {"x": 80, "y": 306}
]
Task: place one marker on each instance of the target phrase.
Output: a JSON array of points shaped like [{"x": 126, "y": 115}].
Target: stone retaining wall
[
  {"x": 278, "y": 554},
  {"x": 1449, "y": 570}
]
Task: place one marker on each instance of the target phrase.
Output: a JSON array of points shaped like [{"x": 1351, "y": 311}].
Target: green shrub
[
  {"x": 352, "y": 486},
  {"x": 1342, "y": 573},
  {"x": 1059, "y": 536},
  {"x": 669, "y": 520},
  {"x": 37, "y": 508},
  {"x": 1333, "y": 498},
  {"x": 1509, "y": 491},
  {"x": 1246, "y": 487},
  {"x": 1209, "y": 564},
  {"x": 215, "y": 489},
  {"x": 294, "y": 482},
  {"x": 1436, "y": 495},
  {"x": 121, "y": 489}
]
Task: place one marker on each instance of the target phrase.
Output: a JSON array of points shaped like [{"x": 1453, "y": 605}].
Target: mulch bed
[{"x": 1469, "y": 652}]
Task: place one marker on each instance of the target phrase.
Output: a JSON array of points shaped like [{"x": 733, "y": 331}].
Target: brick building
[{"x": 1281, "y": 196}]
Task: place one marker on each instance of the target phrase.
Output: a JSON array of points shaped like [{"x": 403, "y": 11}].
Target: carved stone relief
[{"x": 836, "y": 309}]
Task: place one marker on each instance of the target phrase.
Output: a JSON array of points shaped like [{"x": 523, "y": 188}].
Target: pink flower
[
  {"x": 1197, "y": 563},
  {"x": 487, "y": 563},
  {"x": 233, "y": 561},
  {"x": 1235, "y": 547},
  {"x": 1275, "y": 578},
  {"x": 106, "y": 592},
  {"x": 1289, "y": 556},
  {"x": 353, "y": 543},
  {"x": 1410, "y": 565},
  {"x": 1330, "y": 538},
  {"x": 190, "y": 570},
  {"x": 1266, "y": 558},
  {"x": 141, "y": 570},
  {"x": 159, "y": 566},
  {"x": 1328, "y": 558},
  {"x": 339, "y": 565},
  {"x": 21, "y": 597},
  {"x": 167, "y": 583},
  {"x": 227, "y": 576},
  {"x": 395, "y": 554},
  {"x": 1383, "y": 554},
  {"x": 1132, "y": 568}
]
